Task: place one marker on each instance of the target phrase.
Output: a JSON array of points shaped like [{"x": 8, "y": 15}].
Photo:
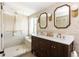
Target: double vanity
[
  {"x": 45, "y": 46},
  {"x": 57, "y": 45}
]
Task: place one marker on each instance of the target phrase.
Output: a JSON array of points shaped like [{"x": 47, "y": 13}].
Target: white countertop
[{"x": 67, "y": 40}]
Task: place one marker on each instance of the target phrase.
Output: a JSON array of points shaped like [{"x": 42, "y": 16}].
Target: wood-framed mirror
[
  {"x": 43, "y": 20},
  {"x": 62, "y": 17}
]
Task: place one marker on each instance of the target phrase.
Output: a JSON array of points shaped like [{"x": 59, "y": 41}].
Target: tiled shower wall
[
  {"x": 8, "y": 39},
  {"x": 10, "y": 25}
]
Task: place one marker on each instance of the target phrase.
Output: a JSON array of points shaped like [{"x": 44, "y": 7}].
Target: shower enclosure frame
[{"x": 2, "y": 30}]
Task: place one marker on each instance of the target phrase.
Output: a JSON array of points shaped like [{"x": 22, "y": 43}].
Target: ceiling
[{"x": 25, "y": 8}]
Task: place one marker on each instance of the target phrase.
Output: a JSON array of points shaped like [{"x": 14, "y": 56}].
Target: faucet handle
[{"x": 59, "y": 35}]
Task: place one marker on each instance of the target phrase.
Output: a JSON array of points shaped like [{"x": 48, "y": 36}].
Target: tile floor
[{"x": 29, "y": 54}]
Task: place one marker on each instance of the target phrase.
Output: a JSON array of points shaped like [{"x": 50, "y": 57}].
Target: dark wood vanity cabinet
[
  {"x": 37, "y": 47},
  {"x": 46, "y": 48},
  {"x": 60, "y": 50}
]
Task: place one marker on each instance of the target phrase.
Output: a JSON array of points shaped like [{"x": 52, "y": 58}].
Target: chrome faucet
[{"x": 59, "y": 35}]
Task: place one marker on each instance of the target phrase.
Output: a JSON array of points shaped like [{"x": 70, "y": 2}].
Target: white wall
[
  {"x": 22, "y": 24},
  {"x": 73, "y": 29}
]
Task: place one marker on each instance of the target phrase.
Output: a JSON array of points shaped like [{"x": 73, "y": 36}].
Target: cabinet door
[
  {"x": 41, "y": 47},
  {"x": 66, "y": 51},
  {"x": 53, "y": 49},
  {"x": 56, "y": 49},
  {"x": 34, "y": 44},
  {"x": 59, "y": 50},
  {"x": 45, "y": 45}
]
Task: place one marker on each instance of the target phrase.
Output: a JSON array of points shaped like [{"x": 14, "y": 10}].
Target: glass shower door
[
  {"x": 1, "y": 32},
  {"x": 0, "y": 28}
]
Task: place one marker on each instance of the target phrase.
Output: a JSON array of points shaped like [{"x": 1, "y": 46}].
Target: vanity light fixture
[
  {"x": 74, "y": 9},
  {"x": 50, "y": 17}
]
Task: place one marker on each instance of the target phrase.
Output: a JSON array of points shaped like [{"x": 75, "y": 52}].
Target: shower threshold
[{"x": 16, "y": 50}]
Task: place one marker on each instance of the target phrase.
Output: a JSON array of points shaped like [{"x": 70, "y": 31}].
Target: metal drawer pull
[{"x": 52, "y": 46}]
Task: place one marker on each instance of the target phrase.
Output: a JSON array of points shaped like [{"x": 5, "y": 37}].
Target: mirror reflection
[
  {"x": 43, "y": 20},
  {"x": 62, "y": 16}
]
